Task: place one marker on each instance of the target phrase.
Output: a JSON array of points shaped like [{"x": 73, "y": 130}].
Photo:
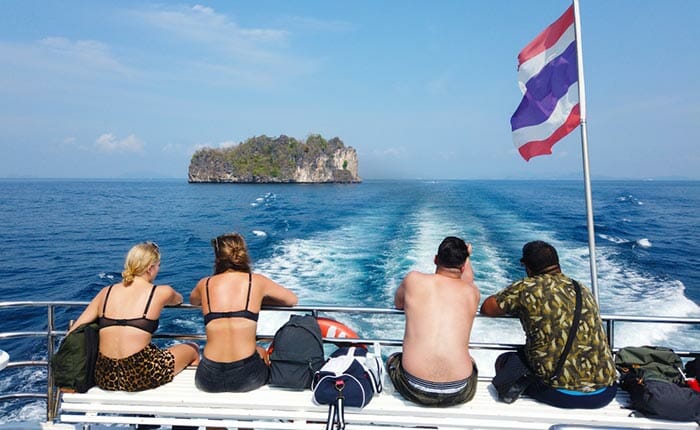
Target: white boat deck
[{"x": 179, "y": 402}]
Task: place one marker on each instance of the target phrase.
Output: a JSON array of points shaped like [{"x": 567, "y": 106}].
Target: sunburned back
[
  {"x": 234, "y": 298},
  {"x": 439, "y": 316}
]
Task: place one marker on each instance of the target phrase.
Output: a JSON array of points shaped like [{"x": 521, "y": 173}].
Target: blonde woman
[
  {"x": 127, "y": 314},
  {"x": 231, "y": 300}
]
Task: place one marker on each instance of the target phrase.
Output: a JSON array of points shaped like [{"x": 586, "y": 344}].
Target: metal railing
[{"x": 51, "y": 335}]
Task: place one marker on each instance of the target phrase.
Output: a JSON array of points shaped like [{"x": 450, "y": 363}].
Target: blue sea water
[{"x": 345, "y": 245}]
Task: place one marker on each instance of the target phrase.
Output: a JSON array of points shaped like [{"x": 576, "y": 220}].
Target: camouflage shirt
[{"x": 545, "y": 306}]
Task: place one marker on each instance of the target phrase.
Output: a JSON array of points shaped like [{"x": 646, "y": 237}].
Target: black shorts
[{"x": 237, "y": 377}]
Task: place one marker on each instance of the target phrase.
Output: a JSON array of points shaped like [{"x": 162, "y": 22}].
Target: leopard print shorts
[{"x": 149, "y": 368}]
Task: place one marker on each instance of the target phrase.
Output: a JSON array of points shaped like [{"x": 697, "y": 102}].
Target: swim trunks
[
  {"x": 149, "y": 368},
  {"x": 238, "y": 376},
  {"x": 440, "y": 394}
]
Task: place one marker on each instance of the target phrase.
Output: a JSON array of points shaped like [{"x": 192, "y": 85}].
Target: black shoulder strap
[
  {"x": 148, "y": 304},
  {"x": 250, "y": 285},
  {"x": 104, "y": 304},
  {"x": 572, "y": 332},
  {"x": 207, "y": 288}
]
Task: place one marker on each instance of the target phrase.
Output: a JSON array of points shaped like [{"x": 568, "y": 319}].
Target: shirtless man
[{"x": 435, "y": 368}]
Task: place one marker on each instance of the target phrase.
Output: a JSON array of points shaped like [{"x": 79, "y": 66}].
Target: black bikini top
[
  {"x": 143, "y": 323},
  {"x": 245, "y": 313}
]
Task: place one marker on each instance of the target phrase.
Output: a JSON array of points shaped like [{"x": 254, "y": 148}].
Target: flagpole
[{"x": 584, "y": 150}]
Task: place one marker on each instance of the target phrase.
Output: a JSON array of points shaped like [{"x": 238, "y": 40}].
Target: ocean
[{"x": 344, "y": 244}]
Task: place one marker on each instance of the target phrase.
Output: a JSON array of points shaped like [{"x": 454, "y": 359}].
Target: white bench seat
[{"x": 180, "y": 403}]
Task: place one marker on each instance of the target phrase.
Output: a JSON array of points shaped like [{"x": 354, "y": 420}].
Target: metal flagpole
[{"x": 584, "y": 150}]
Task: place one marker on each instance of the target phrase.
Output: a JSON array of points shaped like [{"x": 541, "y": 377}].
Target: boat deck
[{"x": 181, "y": 403}]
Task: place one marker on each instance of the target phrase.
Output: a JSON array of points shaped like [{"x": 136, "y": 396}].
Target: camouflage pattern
[{"x": 545, "y": 306}]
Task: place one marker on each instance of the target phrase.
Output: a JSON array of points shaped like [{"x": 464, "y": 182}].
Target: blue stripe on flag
[{"x": 545, "y": 89}]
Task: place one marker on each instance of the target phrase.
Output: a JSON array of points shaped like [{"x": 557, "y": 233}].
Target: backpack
[
  {"x": 650, "y": 363},
  {"x": 653, "y": 378},
  {"x": 350, "y": 377},
  {"x": 73, "y": 364},
  {"x": 297, "y": 353}
]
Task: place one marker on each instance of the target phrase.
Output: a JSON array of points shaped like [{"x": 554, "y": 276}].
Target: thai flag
[{"x": 548, "y": 76}]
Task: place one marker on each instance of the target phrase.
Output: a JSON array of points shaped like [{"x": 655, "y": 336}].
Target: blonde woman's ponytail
[{"x": 139, "y": 259}]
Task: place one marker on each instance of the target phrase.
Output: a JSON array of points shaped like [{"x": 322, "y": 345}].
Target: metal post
[
  {"x": 51, "y": 393},
  {"x": 584, "y": 151}
]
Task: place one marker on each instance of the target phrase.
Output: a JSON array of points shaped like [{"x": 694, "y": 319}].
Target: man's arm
[
  {"x": 490, "y": 307},
  {"x": 468, "y": 271},
  {"x": 399, "y": 297}
]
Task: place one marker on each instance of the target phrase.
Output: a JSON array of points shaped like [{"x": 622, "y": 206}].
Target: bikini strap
[
  {"x": 250, "y": 284},
  {"x": 148, "y": 304},
  {"x": 104, "y": 304},
  {"x": 207, "y": 288}
]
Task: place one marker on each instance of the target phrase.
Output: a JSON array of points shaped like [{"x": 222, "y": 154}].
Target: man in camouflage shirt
[{"x": 544, "y": 302}]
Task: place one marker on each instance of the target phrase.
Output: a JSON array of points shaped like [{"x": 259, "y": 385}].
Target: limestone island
[{"x": 263, "y": 159}]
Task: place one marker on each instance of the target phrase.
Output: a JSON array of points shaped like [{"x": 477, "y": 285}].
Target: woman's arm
[
  {"x": 196, "y": 294},
  {"x": 275, "y": 294},
  {"x": 91, "y": 312},
  {"x": 174, "y": 298}
]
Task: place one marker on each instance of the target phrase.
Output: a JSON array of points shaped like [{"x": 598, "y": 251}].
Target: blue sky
[{"x": 421, "y": 89}]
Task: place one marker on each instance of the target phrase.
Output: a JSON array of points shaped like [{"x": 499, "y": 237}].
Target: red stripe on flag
[
  {"x": 548, "y": 37},
  {"x": 544, "y": 147}
]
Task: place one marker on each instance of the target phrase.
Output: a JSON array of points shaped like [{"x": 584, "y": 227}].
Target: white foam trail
[
  {"x": 644, "y": 243},
  {"x": 642, "y": 294},
  {"x": 613, "y": 239},
  {"x": 28, "y": 416},
  {"x": 329, "y": 268},
  {"x": 326, "y": 268}
]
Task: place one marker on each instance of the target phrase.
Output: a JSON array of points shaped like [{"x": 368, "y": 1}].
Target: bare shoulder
[
  {"x": 473, "y": 292},
  {"x": 201, "y": 282},
  {"x": 413, "y": 277},
  {"x": 259, "y": 277},
  {"x": 264, "y": 281}
]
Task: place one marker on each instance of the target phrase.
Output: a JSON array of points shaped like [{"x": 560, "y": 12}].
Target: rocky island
[{"x": 283, "y": 159}]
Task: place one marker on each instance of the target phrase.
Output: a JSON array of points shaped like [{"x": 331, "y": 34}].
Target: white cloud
[
  {"x": 389, "y": 152},
  {"x": 80, "y": 54},
  {"x": 313, "y": 24},
  {"x": 213, "y": 30},
  {"x": 109, "y": 143},
  {"x": 227, "y": 53}
]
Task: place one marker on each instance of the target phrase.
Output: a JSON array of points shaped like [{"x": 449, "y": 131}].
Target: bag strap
[
  {"x": 572, "y": 332},
  {"x": 336, "y": 410}
]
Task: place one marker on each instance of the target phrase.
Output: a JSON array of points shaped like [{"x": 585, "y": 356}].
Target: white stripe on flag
[
  {"x": 533, "y": 66},
  {"x": 545, "y": 129}
]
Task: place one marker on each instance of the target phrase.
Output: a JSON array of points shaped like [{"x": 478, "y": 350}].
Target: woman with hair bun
[
  {"x": 231, "y": 300},
  {"x": 127, "y": 314}
]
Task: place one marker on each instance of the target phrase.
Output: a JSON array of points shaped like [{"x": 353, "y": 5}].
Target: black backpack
[
  {"x": 652, "y": 376},
  {"x": 73, "y": 364},
  {"x": 297, "y": 353}
]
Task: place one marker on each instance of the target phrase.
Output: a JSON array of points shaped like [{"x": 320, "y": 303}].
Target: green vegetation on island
[{"x": 281, "y": 159}]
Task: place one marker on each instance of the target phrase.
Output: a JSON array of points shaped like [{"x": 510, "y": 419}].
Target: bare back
[
  {"x": 121, "y": 341},
  {"x": 440, "y": 312},
  {"x": 233, "y": 339}
]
